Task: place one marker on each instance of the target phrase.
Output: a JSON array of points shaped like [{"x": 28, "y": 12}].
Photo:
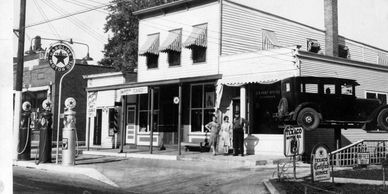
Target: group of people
[{"x": 227, "y": 133}]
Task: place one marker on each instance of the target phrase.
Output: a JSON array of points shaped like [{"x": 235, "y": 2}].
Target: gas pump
[
  {"x": 68, "y": 135},
  {"x": 24, "y": 152},
  {"x": 45, "y": 133}
]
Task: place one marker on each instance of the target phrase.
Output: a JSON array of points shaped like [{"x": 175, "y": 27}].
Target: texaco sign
[{"x": 61, "y": 57}]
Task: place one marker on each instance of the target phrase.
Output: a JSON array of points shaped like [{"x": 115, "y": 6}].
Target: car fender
[
  {"x": 304, "y": 105},
  {"x": 376, "y": 112}
]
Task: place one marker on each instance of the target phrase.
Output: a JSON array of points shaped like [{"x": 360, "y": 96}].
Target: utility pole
[{"x": 19, "y": 78}]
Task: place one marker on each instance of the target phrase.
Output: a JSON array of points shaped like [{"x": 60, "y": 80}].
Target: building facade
[{"x": 221, "y": 57}]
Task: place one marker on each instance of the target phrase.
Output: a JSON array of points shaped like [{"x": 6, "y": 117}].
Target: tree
[{"x": 121, "y": 50}]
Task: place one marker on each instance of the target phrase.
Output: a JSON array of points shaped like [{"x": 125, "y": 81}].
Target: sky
[{"x": 360, "y": 20}]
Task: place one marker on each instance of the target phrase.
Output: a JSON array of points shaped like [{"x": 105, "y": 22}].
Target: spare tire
[
  {"x": 283, "y": 107},
  {"x": 308, "y": 118},
  {"x": 382, "y": 119}
]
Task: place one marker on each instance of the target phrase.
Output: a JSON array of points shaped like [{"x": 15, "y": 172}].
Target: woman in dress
[
  {"x": 214, "y": 129},
  {"x": 226, "y": 134}
]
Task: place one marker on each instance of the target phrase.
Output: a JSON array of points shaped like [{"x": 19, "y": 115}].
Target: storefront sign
[
  {"x": 133, "y": 91},
  {"x": 92, "y": 98},
  {"x": 293, "y": 141},
  {"x": 320, "y": 165},
  {"x": 61, "y": 57}
]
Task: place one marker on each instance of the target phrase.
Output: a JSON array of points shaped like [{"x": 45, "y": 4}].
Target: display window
[
  {"x": 145, "y": 112},
  {"x": 202, "y": 105}
]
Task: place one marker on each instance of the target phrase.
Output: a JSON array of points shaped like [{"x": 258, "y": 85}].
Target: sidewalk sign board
[
  {"x": 320, "y": 163},
  {"x": 293, "y": 143}
]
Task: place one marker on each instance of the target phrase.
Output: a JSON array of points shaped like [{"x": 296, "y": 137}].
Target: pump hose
[{"x": 28, "y": 135}]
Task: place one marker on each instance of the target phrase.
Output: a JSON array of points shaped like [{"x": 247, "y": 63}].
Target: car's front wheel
[
  {"x": 308, "y": 118},
  {"x": 382, "y": 119}
]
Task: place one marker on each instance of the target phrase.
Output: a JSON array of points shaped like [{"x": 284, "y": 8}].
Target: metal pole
[
  {"x": 19, "y": 78},
  {"x": 122, "y": 123},
  {"x": 294, "y": 161},
  {"x": 59, "y": 110},
  {"x": 179, "y": 118},
  {"x": 88, "y": 145},
  {"x": 152, "y": 120}
]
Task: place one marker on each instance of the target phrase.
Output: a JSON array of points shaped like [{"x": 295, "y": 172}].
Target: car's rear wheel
[
  {"x": 308, "y": 118},
  {"x": 382, "y": 119}
]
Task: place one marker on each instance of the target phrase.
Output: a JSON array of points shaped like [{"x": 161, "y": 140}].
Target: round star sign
[{"x": 61, "y": 56}]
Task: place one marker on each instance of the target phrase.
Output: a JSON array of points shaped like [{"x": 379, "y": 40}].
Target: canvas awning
[
  {"x": 198, "y": 37},
  {"x": 240, "y": 80},
  {"x": 173, "y": 42},
  {"x": 269, "y": 36},
  {"x": 151, "y": 46}
]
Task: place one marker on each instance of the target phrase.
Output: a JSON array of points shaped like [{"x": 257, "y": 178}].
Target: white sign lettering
[{"x": 92, "y": 98}]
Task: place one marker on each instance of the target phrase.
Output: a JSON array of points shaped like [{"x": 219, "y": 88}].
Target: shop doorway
[
  {"x": 131, "y": 125},
  {"x": 97, "y": 128}
]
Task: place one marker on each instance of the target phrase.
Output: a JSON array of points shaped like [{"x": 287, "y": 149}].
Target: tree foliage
[{"x": 121, "y": 50}]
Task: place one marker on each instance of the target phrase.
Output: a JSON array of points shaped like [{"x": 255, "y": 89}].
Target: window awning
[
  {"x": 198, "y": 37},
  {"x": 261, "y": 78},
  {"x": 151, "y": 46},
  {"x": 269, "y": 36},
  {"x": 173, "y": 42}
]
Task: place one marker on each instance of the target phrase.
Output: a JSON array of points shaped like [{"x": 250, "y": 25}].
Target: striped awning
[
  {"x": 173, "y": 42},
  {"x": 260, "y": 77},
  {"x": 198, "y": 37},
  {"x": 270, "y": 37},
  {"x": 151, "y": 46}
]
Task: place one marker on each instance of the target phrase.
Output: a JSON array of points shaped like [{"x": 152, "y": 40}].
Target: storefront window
[
  {"x": 145, "y": 110},
  {"x": 202, "y": 105}
]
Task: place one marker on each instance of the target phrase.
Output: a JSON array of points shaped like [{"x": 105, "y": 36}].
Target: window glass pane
[
  {"x": 383, "y": 98},
  {"x": 196, "y": 97},
  {"x": 174, "y": 58},
  {"x": 370, "y": 95},
  {"x": 347, "y": 89},
  {"x": 156, "y": 121},
  {"x": 198, "y": 54},
  {"x": 209, "y": 96},
  {"x": 311, "y": 88},
  {"x": 143, "y": 101},
  {"x": 143, "y": 121},
  {"x": 329, "y": 88},
  {"x": 152, "y": 61},
  {"x": 156, "y": 98},
  {"x": 196, "y": 120},
  {"x": 208, "y": 116}
]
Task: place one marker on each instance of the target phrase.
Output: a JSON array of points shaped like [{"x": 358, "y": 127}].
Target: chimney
[{"x": 331, "y": 27}]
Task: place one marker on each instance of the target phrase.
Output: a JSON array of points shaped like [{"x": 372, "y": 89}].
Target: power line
[
  {"x": 66, "y": 16},
  {"x": 45, "y": 18}
]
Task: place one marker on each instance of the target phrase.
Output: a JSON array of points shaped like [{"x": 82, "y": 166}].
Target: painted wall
[{"x": 184, "y": 19}]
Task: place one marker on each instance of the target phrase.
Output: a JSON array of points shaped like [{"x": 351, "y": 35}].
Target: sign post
[
  {"x": 61, "y": 58},
  {"x": 293, "y": 143}
]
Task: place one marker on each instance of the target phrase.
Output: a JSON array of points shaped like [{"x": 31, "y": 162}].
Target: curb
[
  {"x": 90, "y": 172},
  {"x": 271, "y": 188},
  {"x": 132, "y": 155}
]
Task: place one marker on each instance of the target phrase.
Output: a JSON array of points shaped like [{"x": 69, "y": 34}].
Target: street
[{"x": 146, "y": 176}]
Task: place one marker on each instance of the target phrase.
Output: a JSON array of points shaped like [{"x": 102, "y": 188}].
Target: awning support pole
[
  {"x": 152, "y": 120},
  {"x": 179, "y": 119},
  {"x": 122, "y": 131}
]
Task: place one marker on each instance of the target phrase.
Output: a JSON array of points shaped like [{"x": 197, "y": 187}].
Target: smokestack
[{"x": 331, "y": 26}]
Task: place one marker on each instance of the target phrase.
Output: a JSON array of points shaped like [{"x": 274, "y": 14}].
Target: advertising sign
[
  {"x": 92, "y": 98},
  {"x": 320, "y": 165},
  {"x": 61, "y": 57},
  {"x": 293, "y": 141},
  {"x": 133, "y": 91}
]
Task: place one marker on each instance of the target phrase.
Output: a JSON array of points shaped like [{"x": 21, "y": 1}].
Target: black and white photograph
[{"x": 194, "y": 96}]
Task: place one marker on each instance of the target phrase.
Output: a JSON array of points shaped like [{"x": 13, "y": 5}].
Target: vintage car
[{"x": 313, "y": 102}]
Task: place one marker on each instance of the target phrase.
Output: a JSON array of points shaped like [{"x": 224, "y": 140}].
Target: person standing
[
  {"x": 214, "y": 129},
  {"x": 238, "y": 134},
  {"x": 226, "y": 134}
]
